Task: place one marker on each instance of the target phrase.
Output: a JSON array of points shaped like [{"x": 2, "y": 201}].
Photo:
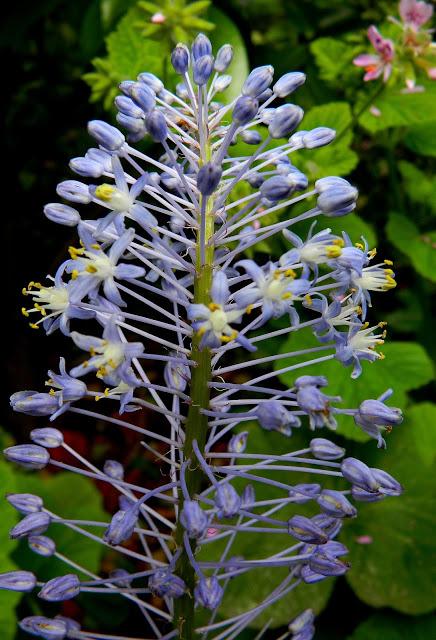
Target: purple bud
[
  {"x": 257, "y": 81},
  {"x": 366, "y": 496},
  {"x": 305, "y": 634},
  {"x": 223, "y": 58},
  {"x": 208, "y": 593},
  {"x": 318, "y": 137},
  {"x": 121, "y": 526},
  {"x": 309, "y": 576},
  {"x": 245, "y": 110},
  {"x": 143, "y": 96},
  {"x": 285, "y": 120},
  {"x": 238, "y": 442},
  {"x": 61, "y": 588},
  {"x": 335, "y": 549},
  {"x": 388, "y": 485},
  {"x": 47, "y": 437},
  {"x": 304, "y": 619},
  {"x": 114, "y": 469},
  {"x": 327, "y": 565},
  {"x": 32, "y": 524},
  {"x": 222, "y": 83},
  {"x": 25, "y": 502},
  {"x": 34, "y": 403},
  {"x": 106, "y": 135},
  {"x": 248, "y": 497},
  {"x": 273, "y": 416},
  {"x": 378, "y": 413},
  {"x": 164, "y": 583},
  {"x": 306, "y": 530},
  {"x": 29, "y": 456},
  {"x": 289, "y": 83},
  {"x": 86, "y": 167},
  {"x": 17, "y": 581},
  {"x": 360, "y": 474},
  {"x": 337, "y": 201},
  {"x": 125, "y": 86},
  {"x": 180, "y": 59},
  {"x": 201, "y": 47},
  {"x": 72, "y": 625},
  {"x": 42, "y": 545},
  {"x": 323, "y": 184},
  {"x": 276, "y": 188},
  {"x": 74, "y": 191},
  {"x": 62, "y": 214},
  {"x": 126, "y": 106},
  {"x": 335, "y": 504},
  {"x": 120, "y": 577},
  {"x": 325, "y": 450},
  {"x": 151, "y": 81},
  {"x": 157, "y": 126},
  {"x": 227, "y": 501},
  {"x": 193, "y": 519},
  {"x": 302, "y": 493},
  {"x": 208, "y": 178},
  {"x": 251, "y": 137},
  {"x": 135, "y": 126},
  {"x": 202, "y": 70},
  {"x": 177, "y": 375},
  {"x": 47, "y": 628},
  {"x": 331, "y": 526}
]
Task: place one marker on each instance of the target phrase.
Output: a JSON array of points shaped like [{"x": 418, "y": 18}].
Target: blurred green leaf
[
  {"x": 111, "y": 10},
  {"x": 68, "y": 496},
  {"x": 406, "y": 367},
  {"x": 336, "y": 158},
  {"x": 333, "y": 58},
  {"x": 8, "y": 599},
  {"x": 422, "y": 139},
  {"x": 419, "y": 247},
  {"x": 420, "y": 187},
  {"x": 355, "y": 227},
  {"x": 388, "y": 626},
  {"x": 397, "y": 568}
]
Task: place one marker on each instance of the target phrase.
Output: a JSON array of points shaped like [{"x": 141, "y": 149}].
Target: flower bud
[
  {"x": 276, "y": 188},
  {"x": 222, "y": 83},
  {"x": 144, "y": 97},
  {"x": 310, "y": 577},
  {"x": 86, "y": 167},
  {"x": 331, "y": 526},
  {"x": 318, "y": 137},
  {"x": 248, "y": 497},
  {"x": 208, "y": 593},
  {"x": 121, "y": 527},
  {"x": 208, "y": 178},
  {"x": 47, "y": 628},
  {"x": 42, "y": 545},
  {"x": 125, "y": 86},
  {"x": 325, "y": 450},
  {"x": 201, "y": 46},
  {"x": 323, "y": 184},
  {"x": 62, "y": 214},
  {"x": 302, "y": 493},
  {"x": 306, "y": 530},
  {"x": 177, "y": 375},
  {"x": 273, "y": 416},
  {"x": 34, "y": 403},
  {"x": 337, "y": 201},
  {"x": 61, "y": 588},
  {"x": 163, "y": 583},
  {"x": 47, "y": 437},
  {"x": 125, "y": 105},
  {"x": 227, "y": 501},
  {"x": 257, "y": 81},
  {"x": 223, "y": 58},
  {"x": 245, "y": 110},
  {"x": 157, "y": 126},
  {"x": 106, "y": 135},
  {"x": 193, "y": 519},
  {"x": 17, "y": 581},
  {"x": 366, "y": 496},
  {"x": 74, "y": 191},
  {"x": 29, "y": 456},
  {"x": 25, "y": 502},
  {"x": 32, "y": 524},
  {"x": 286, "y": 119},
  {"x": 302, "y": 620},
  {"x": 238, "y": 442},
  {"x": 202, "y": 70},
  {"x": 152, "y": 81},
  {"x": 180, "y": 59},
  {"x": 388, "y": 485},
  {"x": 120, "y": 577},
  {"x": 289, "y": 83},
  {"x": 327, "y": 565},
  {"x": 114, "y": 469},
  {"x": 378, "y": 413},
  {"x": 250, "y": 137},
  {"x": 335, "y": 549},
  {"x": 360, "y": 474},
  {"x": 335, "y": 504}
]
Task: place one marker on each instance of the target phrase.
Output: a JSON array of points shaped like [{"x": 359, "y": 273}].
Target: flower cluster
[
  {"x": 168, "y": 236},
  {"x": 411, "y": 50}
]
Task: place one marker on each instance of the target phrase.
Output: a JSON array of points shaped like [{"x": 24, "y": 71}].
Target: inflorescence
[{"x": 170, "y": 237}]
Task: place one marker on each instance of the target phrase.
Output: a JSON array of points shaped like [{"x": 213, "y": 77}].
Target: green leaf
[
  {"x": 336, "y": 158},
  {"x": 8, "y": 599},
  {"x": 420, "y": 187},
  {"x": 419, "y": 247},
  {"x": 422, "y": 139},
  {"x": 333, "y": 58},
  {"x": 399, "y": 109},
  {"x": 398, "y": 567},
  {"x": 227, "y": 32},
  {"x": 355, "y": 227},
  {"x": 68, "y": 496},
  {"x": 253, "y": 587},
  {"x": 111, "y": 10},
  {"x": 406, "y": 367},
  {"x": 387, "y": 626}
]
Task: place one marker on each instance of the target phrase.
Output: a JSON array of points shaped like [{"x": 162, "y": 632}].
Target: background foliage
[{"x": 61, "y": 56}]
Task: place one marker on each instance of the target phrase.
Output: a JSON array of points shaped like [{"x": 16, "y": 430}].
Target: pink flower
[
  {"x": 377, "y": 64},
  {"x": 414, "y": 14}
]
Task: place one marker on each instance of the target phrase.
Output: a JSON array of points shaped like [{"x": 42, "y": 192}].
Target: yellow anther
[
  {"x": 339, "y": 241},
  {"x": 388, "y": 262},
  {"x": 86, "y": 363},
  {"x": 380, "y": 341},
  {"x": 290, "y": 273},
  {"x": 106, "y": 392},
  {"x": 33, "y": 326},
  {"x": 97, "y": 398},
  {"x": 74, "y": 274},
  {"x": 333, "y": 251},
  {"x": 24, "y": 291},
  {"x": 390, "y": 283},
  {"x": 91, "y": 269},
  {"x": 52, "y": 392},
  {"x": 102, "y": 371},
  {"x": 24, "y": 312},
  {"x": 287, "y": 295},
  {"x": 383, "y": 323},
  {"x": 74, "y": 252},
  {"x": 41, "y": 310},
  {"x": 384, "y": 334},
  {"x": 277, "y": 274},
  {"x": 229, "y": 338},
  {"x": 308, "y": 299},
  {"x": 372, "y": 253},
  {"x": 95, "y": 246},
  {"x": 112, "y": 364},
  {"x": 388, "y": 272},
  {"x": 359, "y": 245},
  {"x": 92, "y": 351},
  {"x": 213, "y": 306},
  {"x": 249, "y": 309},
  {"x": 365, "y": 325},
  {"x": 359, "y": 310},
  {"x": 105, "y": 192},
  {"x": 381, "y": 356},
  {"x": 201, "y": 331}
]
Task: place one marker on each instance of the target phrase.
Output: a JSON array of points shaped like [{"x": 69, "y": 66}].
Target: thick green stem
[{"x": 195, "y": 429}]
